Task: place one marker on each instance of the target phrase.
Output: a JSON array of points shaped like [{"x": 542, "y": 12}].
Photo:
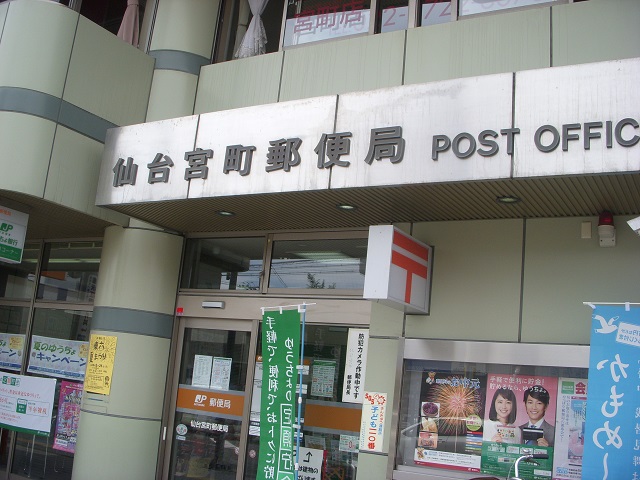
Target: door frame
[{"x": 171, "y": 392}]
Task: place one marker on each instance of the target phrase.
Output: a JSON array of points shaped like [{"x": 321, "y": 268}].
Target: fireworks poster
[
  {"x": 450, "y": 429},
  {"x": 519, "y": 418}
]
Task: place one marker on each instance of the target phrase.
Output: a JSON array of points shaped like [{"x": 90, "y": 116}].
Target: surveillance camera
[{"x": 634, "y": 223}]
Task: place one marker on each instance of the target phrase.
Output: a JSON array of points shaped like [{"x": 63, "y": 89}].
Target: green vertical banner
[{"x": 280, "y": 357}]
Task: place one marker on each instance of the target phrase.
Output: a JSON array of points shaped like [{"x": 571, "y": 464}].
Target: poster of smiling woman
[{"x": 519, "y": 418}]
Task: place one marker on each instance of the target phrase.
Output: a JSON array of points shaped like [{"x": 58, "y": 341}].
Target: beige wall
[
  {"x": 77, "y": 62},
  {"x": 506, "y": 41},
  {"x": 515, "y": 280}
]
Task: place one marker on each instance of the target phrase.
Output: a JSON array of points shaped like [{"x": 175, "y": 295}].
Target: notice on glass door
[
  {"x": 221, "y": 373},
  {"x": 201, "y": 370}
]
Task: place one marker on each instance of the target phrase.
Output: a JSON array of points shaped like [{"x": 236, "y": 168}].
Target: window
[
  {"x": 223, "y": 263},
  {"x": 482, "y": 416},
  {"x": 106, "y": 13},
  {"x": 319, "y": 264},
  {"x": 433, "y": 12},
  {"x": 470, "y": 7},
  {"x": 17, "y": 279},
  {"x": 308, "y": 21},
  {"x": 314, "y": 20},
  {"x": 52, "y": 456},
  {"x": 69, "y": 272}
]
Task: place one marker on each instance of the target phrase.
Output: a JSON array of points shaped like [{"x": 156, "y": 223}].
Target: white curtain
[
  {"x": 129, "y": 28},
  {"x": 255, "y": 39}
]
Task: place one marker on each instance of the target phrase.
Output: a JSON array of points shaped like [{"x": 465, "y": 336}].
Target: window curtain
[
  {"x": 255, "y": 39},
  {"x": 129, "y": 28}
]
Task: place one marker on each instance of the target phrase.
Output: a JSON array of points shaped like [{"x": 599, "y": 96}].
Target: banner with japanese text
[
  {"x": 102, "y": 356},
  {"x": 11, "y": 351},
  {"x": 58, "y": 358},
  {"x": 27, "y": 403},
  {"x": 612, "y": 434},
  {"x": 68, "y": 416},
  {"x": 280, "y": 356}
]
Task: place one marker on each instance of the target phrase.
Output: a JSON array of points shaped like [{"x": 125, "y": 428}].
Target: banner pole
[{"x": 303, "y": 315}]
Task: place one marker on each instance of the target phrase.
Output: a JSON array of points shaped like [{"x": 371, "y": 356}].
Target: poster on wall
[
  {"x": 280, "y": 357},
  {"x": 519, "y": 418},
  {"x": 612, "y": 432},
  {"x": 355, "y": 365},
  {"x": 11, "y": 351},
  {"x": 322, "y": 376},
  {"x": 68, "y": 416},
  {"x": 58, "y": 358},
  {"x": 27, "y": 403},
  {"x": 570, "y": 428},
  {"x": 102, "y": 356},
  {"x": 450, "y": 421}
]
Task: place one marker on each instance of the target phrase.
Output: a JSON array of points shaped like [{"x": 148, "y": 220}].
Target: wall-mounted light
[
  {"x": 225, "y": 213},
  {"x": 606, "y": 230}
]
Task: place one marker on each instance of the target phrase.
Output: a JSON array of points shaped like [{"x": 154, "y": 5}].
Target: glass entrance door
[{"x": 207, "y": 428}]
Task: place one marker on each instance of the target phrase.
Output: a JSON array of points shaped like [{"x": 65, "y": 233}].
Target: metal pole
[{"x": 303, "y": 310}]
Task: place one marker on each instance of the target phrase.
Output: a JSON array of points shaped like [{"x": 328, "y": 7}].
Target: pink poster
[{"x": 68, "y": 416}]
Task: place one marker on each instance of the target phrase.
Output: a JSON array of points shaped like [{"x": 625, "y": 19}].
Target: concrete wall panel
[
  {"x": 563, "y": 270},
  {"x": 475, "y": 293},
  {"x": 77, "y": 157},
  {"x": 25, "y": 149},
  {"x": 136, "y": 264},
  {"x": 595, "y": 31},
  {"x": 108, "y": 77},
  {"x": 172, "y": 94},
  {"x": 235, "y": 84},
  {"x": 36, "y": 45},
  {"x": 504, "y": 42},
  {"x": 189, "y": 29},
  {"x": 341, "y": 66}
]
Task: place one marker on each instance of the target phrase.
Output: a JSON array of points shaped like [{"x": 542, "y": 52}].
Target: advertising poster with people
[
  {"x": 450, "y": 426},
  {"x": 570, "y": 428},
  {"x": 519, "y": 418}
]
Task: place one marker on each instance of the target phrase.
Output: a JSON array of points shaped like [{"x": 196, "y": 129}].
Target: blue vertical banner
[
  {"x": 280, "y": 357},
  {"x": 612, "y": 433}
]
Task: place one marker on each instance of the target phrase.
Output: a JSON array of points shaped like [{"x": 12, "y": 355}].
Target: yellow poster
[{"x": 102, "y": 355}]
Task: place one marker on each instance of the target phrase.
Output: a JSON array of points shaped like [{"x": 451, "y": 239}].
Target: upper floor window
[
  {"x": 312, "y": 20},
  {"x": 470, "y": 7},
  {"x": 308, "y": 21}
]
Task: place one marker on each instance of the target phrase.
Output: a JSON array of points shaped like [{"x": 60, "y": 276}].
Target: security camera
[{"x": 634, "y": 223}]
